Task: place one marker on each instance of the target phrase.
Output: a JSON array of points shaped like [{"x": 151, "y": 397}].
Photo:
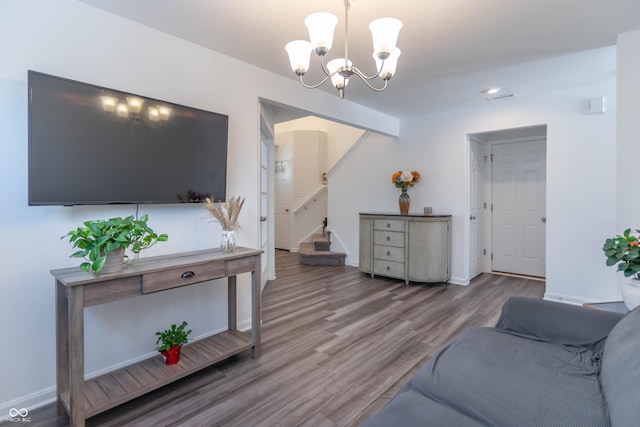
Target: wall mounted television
[{"x": 90, "y": 145}]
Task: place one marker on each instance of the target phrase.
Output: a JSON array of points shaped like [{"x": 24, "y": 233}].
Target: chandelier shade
[
  {"x": 388, "y": 66},
  {"x": 321, "y": 27},
  {"x": 384, "y": 32},
  {"x": 299, "y": 55},
  {"x": 335, "y": 67}
]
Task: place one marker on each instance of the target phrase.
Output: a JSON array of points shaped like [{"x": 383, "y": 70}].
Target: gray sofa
[{"x": 543, "y": 364}]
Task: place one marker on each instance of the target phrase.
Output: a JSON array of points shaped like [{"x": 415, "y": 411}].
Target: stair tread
[{"x": 308, "y": 248}]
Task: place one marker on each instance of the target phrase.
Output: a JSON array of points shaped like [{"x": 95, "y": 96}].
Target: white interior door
[
  {"x": 282, "y": 181},
  {"x": 476, "y": 210},
  {"x": 519, "y": 207}
]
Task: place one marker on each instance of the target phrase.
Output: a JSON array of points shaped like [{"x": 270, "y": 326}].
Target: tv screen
[{"x": 90, "y": 145}]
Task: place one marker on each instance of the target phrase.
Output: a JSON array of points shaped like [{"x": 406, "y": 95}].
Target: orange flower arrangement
[{"x": 405, "y": 179}]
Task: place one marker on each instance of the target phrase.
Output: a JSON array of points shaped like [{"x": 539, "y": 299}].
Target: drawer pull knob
[
  {"x": 388, "y": 225},
  {"x": 388, "y": 253},
  {"x": 388, "y": 238},
  {"x": 388, "y": 268},
  {"x": 188, "y": 274}
]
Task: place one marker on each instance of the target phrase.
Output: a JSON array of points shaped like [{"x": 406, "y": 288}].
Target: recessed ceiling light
[{"x": 492, "y": 91}]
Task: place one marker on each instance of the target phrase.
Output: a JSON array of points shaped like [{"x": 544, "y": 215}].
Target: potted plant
[
  {"x": 102, "y": 242},
  {"x": 171, "y": 341},
  {"x": 625, "y": 252}
]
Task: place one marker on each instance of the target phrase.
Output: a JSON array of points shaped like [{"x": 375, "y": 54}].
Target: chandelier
[{"x": 321, "y": 26}]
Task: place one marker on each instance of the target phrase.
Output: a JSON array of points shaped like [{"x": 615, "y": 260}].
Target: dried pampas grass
[{"x": 226, "y": 213}]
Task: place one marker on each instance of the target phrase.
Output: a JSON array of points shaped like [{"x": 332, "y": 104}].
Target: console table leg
[
  {"x": 256, "y": 304},
  {"x": 62, "y": 344},
  {"x": 76, "y": 350},
  {"x": 232, "y": 303}
]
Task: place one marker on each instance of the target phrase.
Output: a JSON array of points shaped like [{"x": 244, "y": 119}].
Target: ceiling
[{"x": 452, "y": 50}]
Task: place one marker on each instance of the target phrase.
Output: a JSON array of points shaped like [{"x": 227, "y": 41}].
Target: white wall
[
  {"x": 76, "y": 41},
  {"x": 340, "y": 137},
  {"x": 581, "y": 155},
  {"x": 628, "y": 202}
]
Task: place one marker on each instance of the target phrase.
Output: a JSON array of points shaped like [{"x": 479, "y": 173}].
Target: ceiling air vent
[{"x": 499, "y": 97}]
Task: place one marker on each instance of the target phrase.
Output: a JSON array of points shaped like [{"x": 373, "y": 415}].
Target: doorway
[{"x": 507, "y": 202}]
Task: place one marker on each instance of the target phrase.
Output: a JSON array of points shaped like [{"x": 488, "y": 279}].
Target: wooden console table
[{"x": 76, "y": 289}]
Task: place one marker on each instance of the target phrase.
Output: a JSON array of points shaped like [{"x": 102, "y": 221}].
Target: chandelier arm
[
  {"x": 314, "y": 86},
  {"x": 365, "y": 77},
  {"x": 324, "y": 69},
  {"x": 366, "y": 80}
]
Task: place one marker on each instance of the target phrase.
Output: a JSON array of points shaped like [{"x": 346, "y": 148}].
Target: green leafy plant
[
  {"x": 625, "y": 251},
  {"x": 98, "y": 237},
  {"x": 176, "y": 335}
]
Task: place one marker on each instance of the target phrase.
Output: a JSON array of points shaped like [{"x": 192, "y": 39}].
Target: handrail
[{"x": 312, "y": 199}]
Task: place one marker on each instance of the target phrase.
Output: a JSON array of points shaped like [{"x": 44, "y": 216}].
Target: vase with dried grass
[{"x": 226, "y": 213}]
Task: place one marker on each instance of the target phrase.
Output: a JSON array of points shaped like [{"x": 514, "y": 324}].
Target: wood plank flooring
[{"x": 337, "y": 345}]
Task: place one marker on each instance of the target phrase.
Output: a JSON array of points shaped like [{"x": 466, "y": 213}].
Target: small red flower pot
[{"x": 172, "y": 356}]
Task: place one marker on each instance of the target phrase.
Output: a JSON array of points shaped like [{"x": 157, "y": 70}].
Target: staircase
[{"x": 318, "y": 252}]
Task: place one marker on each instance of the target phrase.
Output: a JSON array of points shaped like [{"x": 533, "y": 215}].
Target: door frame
[{"x": 266, "y": 136}]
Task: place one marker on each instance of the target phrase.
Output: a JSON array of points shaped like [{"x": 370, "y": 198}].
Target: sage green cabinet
[{"x": 413, "y": 248}]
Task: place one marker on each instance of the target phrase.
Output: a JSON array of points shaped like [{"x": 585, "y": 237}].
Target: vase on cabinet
[{"x": 404, "y": 200}]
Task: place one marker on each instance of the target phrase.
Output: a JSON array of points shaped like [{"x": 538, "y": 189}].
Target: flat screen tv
[{"x": 90, "y": 145}]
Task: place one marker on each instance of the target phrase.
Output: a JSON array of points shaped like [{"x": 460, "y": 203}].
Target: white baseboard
[
  {"x": 48, "y": 395},
  {"x": 567, "y": 299},
  {"x": 29, "y": 402},
  {"x": 462, "y": 281}
]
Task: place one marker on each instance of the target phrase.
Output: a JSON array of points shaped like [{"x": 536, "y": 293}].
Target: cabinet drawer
[
  {"x": 113, "y": 290},
  {"x": 388, "y": 224},
  {"x": 242, "y": 265},
  {"x": 388, "y": 268},
  {"x": 173, "y": 278},
  {"x": 388, "y": 253},
  {"x": 388, "y": 238}
]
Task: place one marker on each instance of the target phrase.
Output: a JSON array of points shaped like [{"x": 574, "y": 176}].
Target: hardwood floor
[{"x": 337, "y": 345}]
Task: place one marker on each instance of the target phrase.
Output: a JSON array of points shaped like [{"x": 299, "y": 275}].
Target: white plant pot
[
  {"x": 114, "y": 262},
  {"x": 631, "y": 293}
]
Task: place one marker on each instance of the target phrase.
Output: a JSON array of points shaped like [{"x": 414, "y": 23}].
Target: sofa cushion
[
  {"x": 488, "y": 376},
  {"x": 557, "y": 322},
  {"x": 620, "y": 373}
]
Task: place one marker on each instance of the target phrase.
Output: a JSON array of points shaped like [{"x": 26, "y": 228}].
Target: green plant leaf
[{"x": 98, "y": 264}]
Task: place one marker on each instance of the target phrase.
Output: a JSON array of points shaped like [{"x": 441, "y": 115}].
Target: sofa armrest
[{"x": 557, "y": 322}]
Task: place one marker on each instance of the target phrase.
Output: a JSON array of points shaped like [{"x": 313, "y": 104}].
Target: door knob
[
  {"x": 544, "y": 219},
  {"x": 286, "y": 210},
  {"x": 263, "y": 218}
]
